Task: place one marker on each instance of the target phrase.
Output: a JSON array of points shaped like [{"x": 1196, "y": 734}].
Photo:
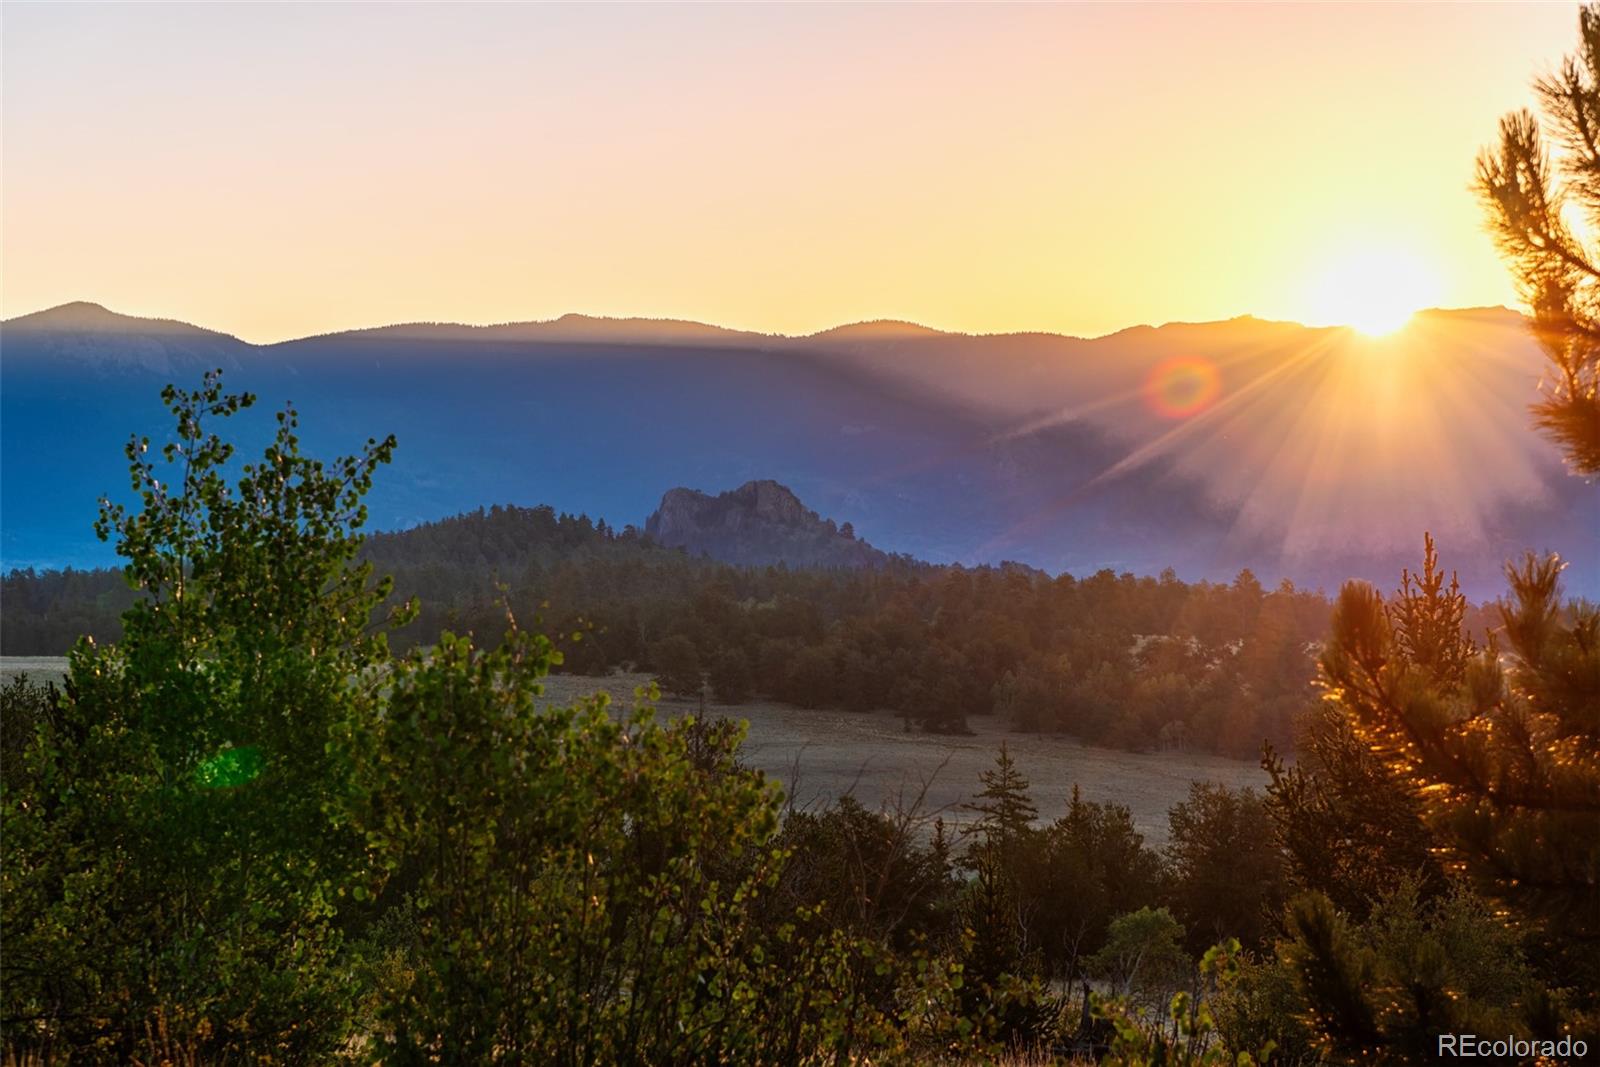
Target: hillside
[
  {"x": 1306, "y": 453},
  {"x": 1110, "y": 659}
]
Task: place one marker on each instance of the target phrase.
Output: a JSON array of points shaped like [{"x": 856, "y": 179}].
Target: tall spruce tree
[
  {"x": 1531, "y": 201},
  {"x": 1005, "y": 810}
]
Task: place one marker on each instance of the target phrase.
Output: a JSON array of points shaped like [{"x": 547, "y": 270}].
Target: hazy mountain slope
[
  {"x": 1321, "y": 445},
  {"x": 1319, "y": 455},
  {"x": 84, "y": 335}
]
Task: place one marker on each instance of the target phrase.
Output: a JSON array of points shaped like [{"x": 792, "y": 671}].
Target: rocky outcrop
[{"x": 757, "y": 524}]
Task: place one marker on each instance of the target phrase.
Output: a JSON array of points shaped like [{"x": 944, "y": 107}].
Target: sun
[{"x": 1373, "y": 290}]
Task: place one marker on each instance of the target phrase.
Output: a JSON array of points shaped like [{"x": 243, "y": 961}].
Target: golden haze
[{"x": 278, "y": 171}]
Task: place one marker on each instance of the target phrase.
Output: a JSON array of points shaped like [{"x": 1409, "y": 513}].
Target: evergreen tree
[
  {"x": 1094, "y": 866},
  {"x": 1382, "y": 990},
  {"x": 1557, "y": 270},
  {"x": 996, "y": 908},
  {"x": 1005, "y": 810},
  {"x": 1503, "y": 748},
  {"x": 1349, "y": 827},
  {"x": 1427, "y": 618},
  {"x": 1227, "y": 871}
]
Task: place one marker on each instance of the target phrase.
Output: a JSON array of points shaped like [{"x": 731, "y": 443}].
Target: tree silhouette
[
  {"x": 1004, "y": 809},
  {"x": 1529, "y": 198}
]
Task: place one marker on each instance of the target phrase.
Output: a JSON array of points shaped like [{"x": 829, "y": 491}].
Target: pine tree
[
  {"x": 1350, "y": 828},
  {"x": 1427, "y": 619},
  {"x": 1557, "y": 271},
  {"x": 731, "y": 676},
  {"x": 1226, "y": 868},
  {"x": 1005, "y": 810},
  {"x": 1384, "y": 989},
  {"x": 1503, "y": 749}
]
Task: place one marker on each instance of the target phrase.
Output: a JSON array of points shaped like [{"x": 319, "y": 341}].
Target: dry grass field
[{"x": 821, "y": 755}]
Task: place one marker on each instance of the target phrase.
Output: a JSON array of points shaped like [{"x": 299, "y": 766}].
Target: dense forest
[{"x": 1112, "y": 659}]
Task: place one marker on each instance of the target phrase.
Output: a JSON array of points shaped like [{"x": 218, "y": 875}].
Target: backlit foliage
[{"x": 1538, "y": 211}]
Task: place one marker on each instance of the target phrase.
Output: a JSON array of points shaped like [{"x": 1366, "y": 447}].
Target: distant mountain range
[{"x": 1314, "y": 454}]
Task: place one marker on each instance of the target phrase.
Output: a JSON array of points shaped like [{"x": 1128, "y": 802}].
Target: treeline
[
  {"x": 1113, "y": 659},
  {"x": 1110, "y": 658},
  {"x": 46, "y": 612}
]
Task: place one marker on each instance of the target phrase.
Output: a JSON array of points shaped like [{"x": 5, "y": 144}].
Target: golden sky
[{"x": 279, "y": 170}]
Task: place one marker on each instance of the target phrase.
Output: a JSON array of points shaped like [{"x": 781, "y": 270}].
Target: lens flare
[
  {"x": 229, "y": 768},
  {"x": 1182, "y": 386}
]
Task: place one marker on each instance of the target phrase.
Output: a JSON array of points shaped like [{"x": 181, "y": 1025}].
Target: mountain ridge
[
  {"x": 86, "y": 316},
  {"x": 89, "y": 316},
  {"x": 1315, "y": 454}
]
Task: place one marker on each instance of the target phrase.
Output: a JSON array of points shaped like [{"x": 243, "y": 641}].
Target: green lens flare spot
[{"x": 229, "y": 768}]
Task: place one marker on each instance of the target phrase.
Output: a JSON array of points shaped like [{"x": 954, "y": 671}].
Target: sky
[{"x": 276, "y": 170}]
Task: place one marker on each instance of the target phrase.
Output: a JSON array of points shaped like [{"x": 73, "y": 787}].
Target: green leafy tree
[
  {"x": 577, "y": 879},
  {"x": 25, "y": 707},
  {"x": 1261, "y": 1006},
  {"x": 1189, "y": 1036},
  {"x": 1143, "y": 955},
  {"x": 584, "y": 887},
  {"x": 1531, "y": 201},
  {"x": 176, "y": 854}
]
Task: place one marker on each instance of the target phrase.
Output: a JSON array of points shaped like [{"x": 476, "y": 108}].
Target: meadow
[{"x": 821, "y": 755}]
